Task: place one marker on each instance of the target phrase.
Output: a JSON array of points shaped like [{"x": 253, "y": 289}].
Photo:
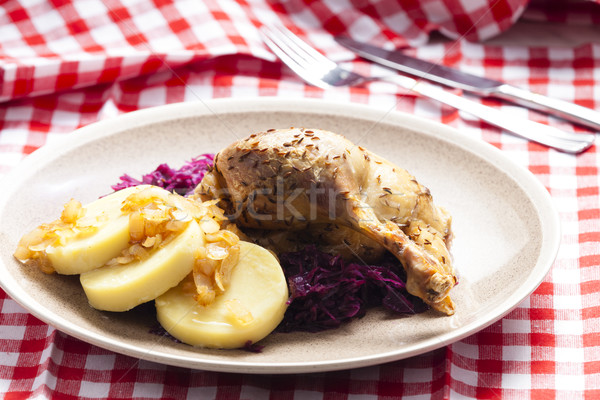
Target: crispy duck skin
[{"x": 295, "y": 178}]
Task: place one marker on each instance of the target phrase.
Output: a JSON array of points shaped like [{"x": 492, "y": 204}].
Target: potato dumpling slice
[
  {"x": 122, "y": 287},
  {"x": 91, "y": 240},
  {"x": 251, "y": 307}
]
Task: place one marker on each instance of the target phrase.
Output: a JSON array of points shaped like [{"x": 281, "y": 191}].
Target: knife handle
[
  {"x": 564, "y": 109},
  {"x": 540, "y": 133}
]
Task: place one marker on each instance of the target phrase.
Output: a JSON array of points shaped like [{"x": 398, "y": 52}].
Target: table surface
[{"x": 64, "y": 65}]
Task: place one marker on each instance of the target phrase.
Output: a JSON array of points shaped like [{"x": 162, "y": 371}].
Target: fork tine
[
  {"x": 302, "y": 48},
  {"x": 280, "y": 53},
  {"x": 287, "y": 51},
  {"x": 291, "y": 48}
]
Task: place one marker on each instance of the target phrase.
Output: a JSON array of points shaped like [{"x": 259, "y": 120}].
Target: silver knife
[{"x": 472, "y": 83}]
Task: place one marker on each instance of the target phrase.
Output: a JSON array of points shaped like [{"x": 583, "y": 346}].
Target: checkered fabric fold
[
  {"x": 66, "y": 64},
  {"x": 49, "y": 47}
]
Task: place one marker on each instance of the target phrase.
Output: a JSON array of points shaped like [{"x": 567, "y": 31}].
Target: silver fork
[{"x": 320, "y": 71}]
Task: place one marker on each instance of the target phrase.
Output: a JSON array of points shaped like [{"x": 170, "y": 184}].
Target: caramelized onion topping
[
  {"x": 154, "y": 221},
  {"x": 31, "y": 249}
]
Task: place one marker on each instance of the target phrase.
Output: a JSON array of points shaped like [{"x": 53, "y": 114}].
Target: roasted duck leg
[{"x": 296, "y": 178}]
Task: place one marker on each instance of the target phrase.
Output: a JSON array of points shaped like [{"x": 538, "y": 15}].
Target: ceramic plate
[{"x": 506, "y": 229}]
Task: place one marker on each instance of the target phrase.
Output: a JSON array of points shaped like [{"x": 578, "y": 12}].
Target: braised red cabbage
[
  {"x": 182, "y": 181},
  {"x": 326, "y": 291}
]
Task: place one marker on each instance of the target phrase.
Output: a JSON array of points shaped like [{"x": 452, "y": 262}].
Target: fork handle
[
  {"x": 570, "y": 111},
  {"x": 549, "y": 136}
]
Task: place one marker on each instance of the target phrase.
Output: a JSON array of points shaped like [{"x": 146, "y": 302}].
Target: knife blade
[{"x": 478, "y": 85}]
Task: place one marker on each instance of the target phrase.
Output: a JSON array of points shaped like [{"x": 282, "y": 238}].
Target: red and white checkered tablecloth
[{"x": 65, "y": 64}]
